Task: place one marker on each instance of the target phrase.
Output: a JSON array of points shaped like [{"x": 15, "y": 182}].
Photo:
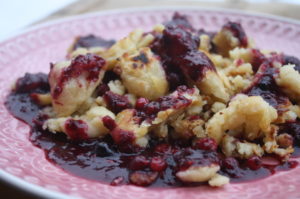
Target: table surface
[{"x": 86, "y": 6}]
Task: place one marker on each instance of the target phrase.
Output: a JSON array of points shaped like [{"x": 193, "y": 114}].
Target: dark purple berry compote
[
  {"x": 177, "y": 47},
  {"x": 113, "y": 159},
  {"x": 90, "y": 63},
  {"x": 238, "y": 32},
  {"x": 90, "y": 41},
  {"x": 264, "y": 85}
]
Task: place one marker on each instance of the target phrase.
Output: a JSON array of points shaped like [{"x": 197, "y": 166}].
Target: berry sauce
[
  {"x": 92, "y": 41},
  {"x": 148, "y": 110},
  {"x": 177, "y": 47},
  {"x": 264, "y": 85},
  {"x": 238, "y": 32},
  {"x": 292, "y": 60},
  {"x": 293, "y": 129},
  {"x": 89, "y": 63},
  {"x": 155, "y": 166},
  {"x": 115, "y": 102},
  {"x": 76, "y": 129}
]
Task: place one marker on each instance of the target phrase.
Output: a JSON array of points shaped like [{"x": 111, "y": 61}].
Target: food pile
[{"x": 178, "y": 104}]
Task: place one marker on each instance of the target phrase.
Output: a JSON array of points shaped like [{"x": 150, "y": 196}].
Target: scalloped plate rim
[
  {"x": 149, "y": 8},
  {"x": 44, "y": 192}
]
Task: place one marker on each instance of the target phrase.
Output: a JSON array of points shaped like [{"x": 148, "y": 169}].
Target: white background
[{"x": 17, "y": 14}]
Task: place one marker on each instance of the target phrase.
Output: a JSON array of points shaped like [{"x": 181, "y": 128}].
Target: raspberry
[
  {"x": 102, "y": 89},
  {"x": 76, "y": 129},
  {"x": 254, "y": 163},
  {"x": 158, "y": 164},
  {"x": 109, "y": 122},
  {"x": 293, "y": 164},
  {"x": 152, "y": 108},
  {"x": 185, "y": 164},
  {"x": 141, "y": 103},
  {"x": 207, "y": 144},
  {"x": 162, "y": 148},
  {"x": 115, "y": 102},
  {"x": 139, "y": 163},
  {"x": 230, "y": 163}
]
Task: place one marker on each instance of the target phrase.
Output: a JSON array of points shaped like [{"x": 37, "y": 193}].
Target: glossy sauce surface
[{"x": 100, "y": 159}]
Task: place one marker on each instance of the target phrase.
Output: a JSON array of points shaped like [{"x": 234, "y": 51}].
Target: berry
[
  {"x": 124, "y": 139},
  {"x": 254, "y": 163},
  {"x": 292, "y": 164},
  {"x": 139, "y": 162},
  {"x": 141, "y": 103},
  {"x": 76, "y": 129},
  {"x": 115, "y": 102},
  {"x": 257, "y": 59},
  {"x": 230, "y": 163},
  {"x": 152, "y": 108},
  {"x": 109, "y": 122},
  {"x": 162, "y": 148},
  {"x": 158, "y": 164},
  {"x": 102, "y": 89},
  {"x": 207, "y": 144},
  {"x": 185, "y": 164},
  {"x": 239, "y": 62}
]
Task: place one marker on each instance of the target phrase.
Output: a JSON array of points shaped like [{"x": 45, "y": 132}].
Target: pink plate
[{"x": 31, "y": 51}]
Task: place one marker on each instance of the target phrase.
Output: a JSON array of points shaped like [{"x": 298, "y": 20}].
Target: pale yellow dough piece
[
  {"x": 241, "y": 53},
  {"x": 211, "y": 84},
  {"x": 185, "y": 127},
  {"x": 225, "y": 41},
  {"x": 232, "y": 147},
  {"x": 142, "y": 74},
  {"x": 251, "y": 116},
  {"x": 126, "y": 120},
  {"x": 218, "y": 180},
  {"x": 83, "y": 51},
  {"x": 195, "y": 107},
  {"x": 134, "y": 41},
  {"x": 198, "y": 173}
]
